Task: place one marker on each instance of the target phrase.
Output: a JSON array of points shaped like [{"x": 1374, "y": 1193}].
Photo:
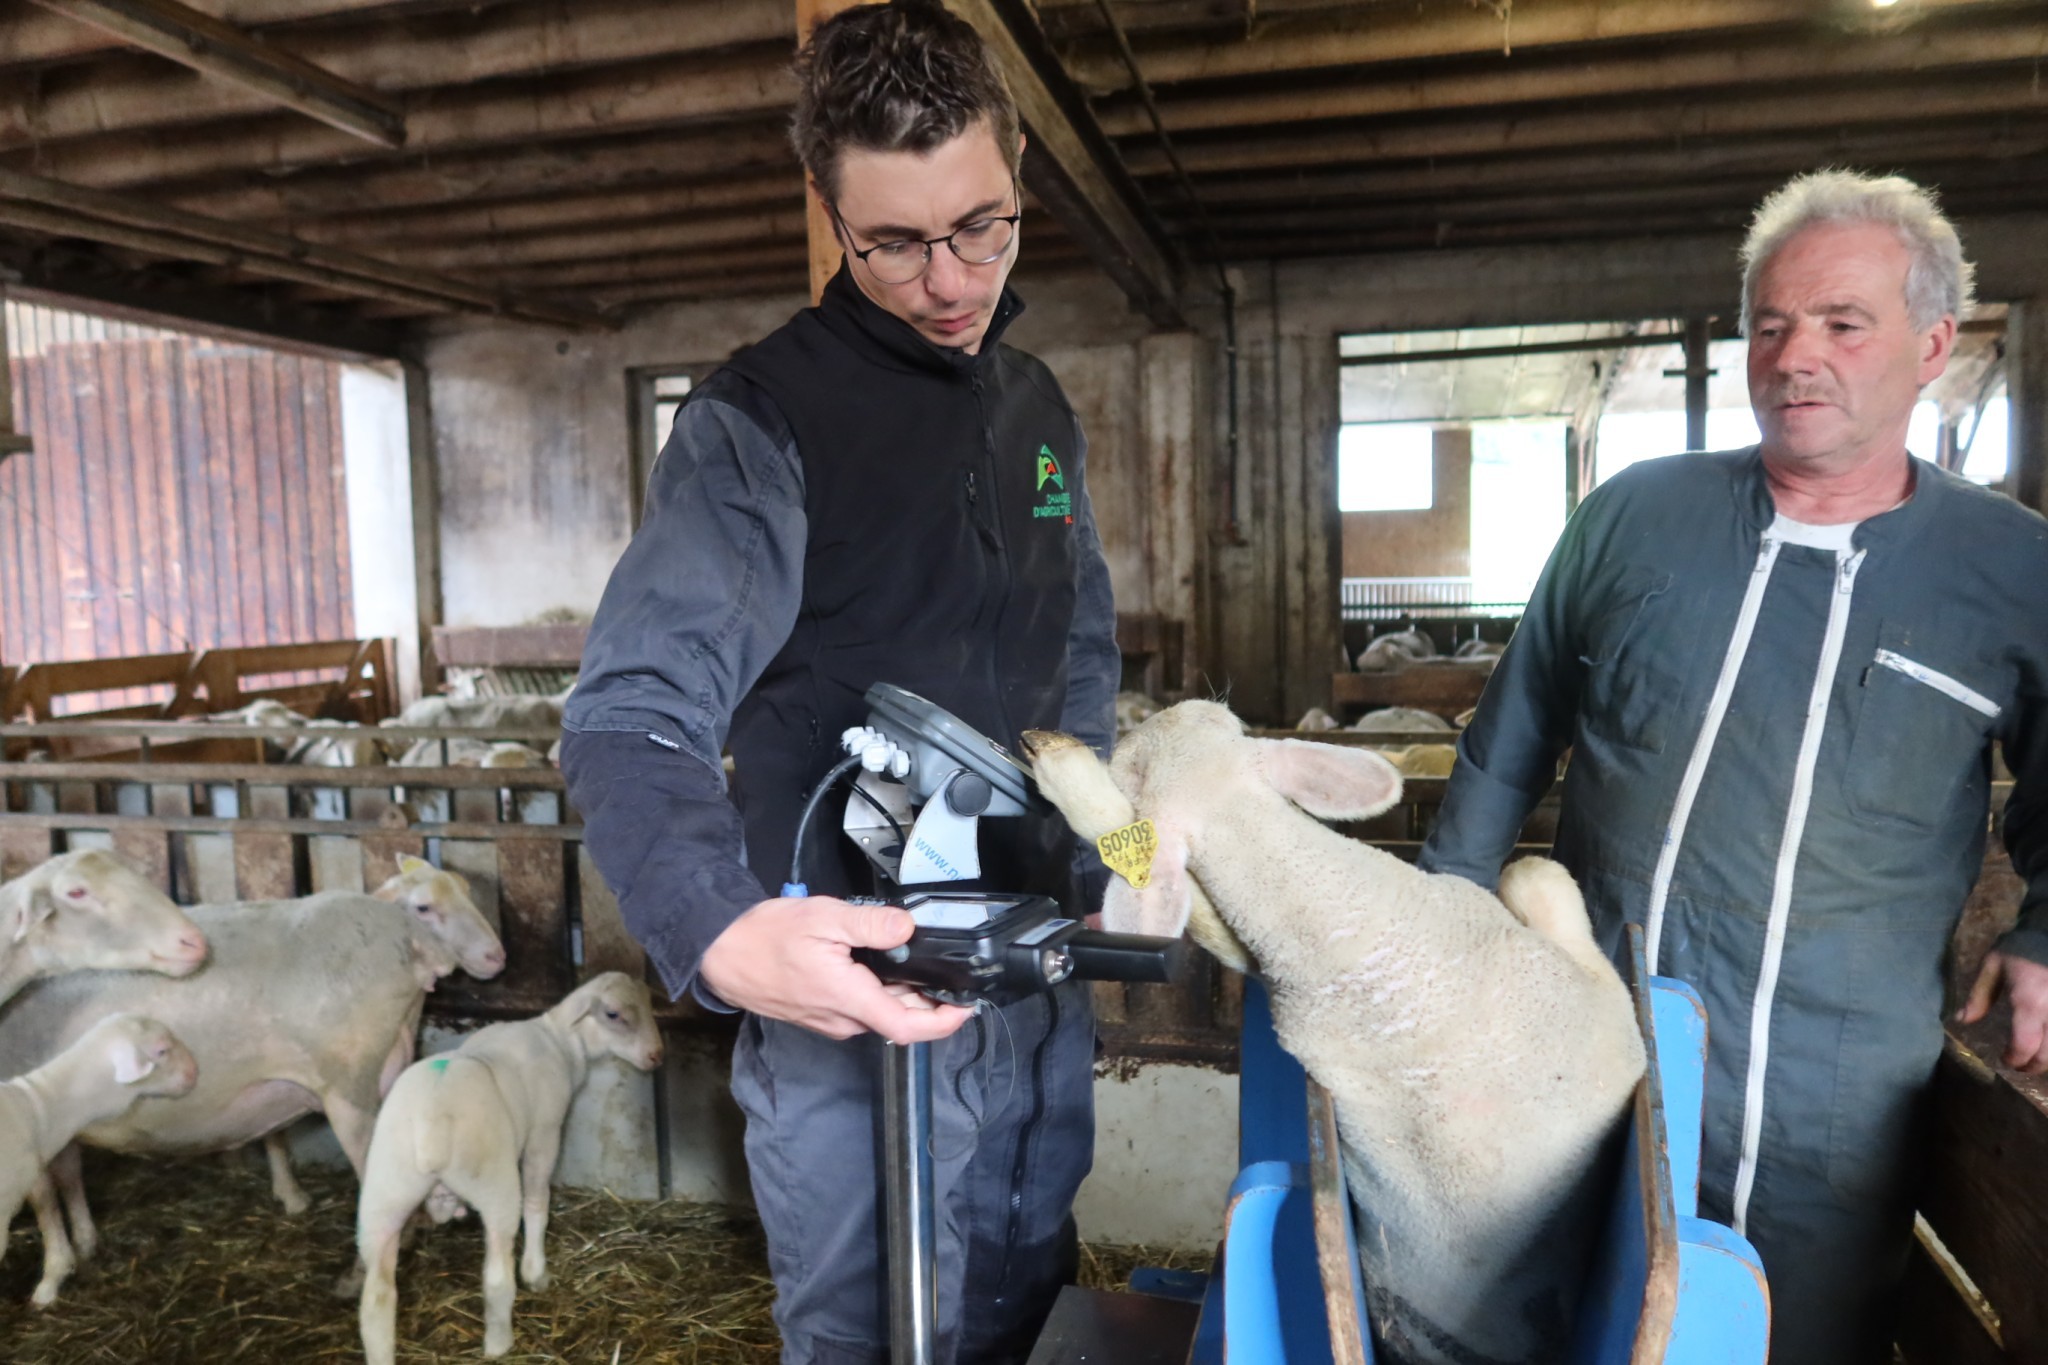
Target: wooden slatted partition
[{"x": 260, "y": 831}]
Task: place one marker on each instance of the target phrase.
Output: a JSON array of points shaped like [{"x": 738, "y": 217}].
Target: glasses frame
[{"x": 928, "y": 243}]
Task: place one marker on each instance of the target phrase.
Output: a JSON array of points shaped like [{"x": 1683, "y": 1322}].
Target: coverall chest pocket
[
  {"x": 1926, "y": 713},
  {"x": 1631, "y": 687}
]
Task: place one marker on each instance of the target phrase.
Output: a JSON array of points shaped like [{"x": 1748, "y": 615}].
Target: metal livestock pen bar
[{"x": 257, "y": 830}]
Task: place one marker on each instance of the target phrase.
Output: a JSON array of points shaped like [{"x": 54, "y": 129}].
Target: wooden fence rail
[{"x": 334, "y": 679}]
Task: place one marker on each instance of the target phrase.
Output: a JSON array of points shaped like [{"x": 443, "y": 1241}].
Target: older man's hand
[{"x": 2027, "y": 983}]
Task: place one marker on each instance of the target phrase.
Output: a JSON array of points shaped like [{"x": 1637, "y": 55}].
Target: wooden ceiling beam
[
  {"x": 60, "y": 210},
  {"x": 538, "y": 170},
  {"x": 259, "y": 313},
  {"x": 397, "y": 55},
  {"x": 563, "y": 210},
  {"x": 1690, "y": 67},
  {"x": 545, "y": 249},
  {"x": 1071, "y": 167},
  {"x": 1630, "y": 166},
  {"x": 270, "y": 76},
  {"x": 30, "y": 39},
  {"x": 1673, "y": 125},
  {"x": 1398, "y": 33},
  {"x": 607, "y": 101}
]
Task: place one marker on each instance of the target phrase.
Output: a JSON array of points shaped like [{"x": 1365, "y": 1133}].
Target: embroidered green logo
[
  {"x": 1049, "y": 469},
  {"x": 1052, "y": 504}
]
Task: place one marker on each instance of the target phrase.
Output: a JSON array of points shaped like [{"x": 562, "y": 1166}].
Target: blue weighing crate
[{"x": 1667, "y": 1286}]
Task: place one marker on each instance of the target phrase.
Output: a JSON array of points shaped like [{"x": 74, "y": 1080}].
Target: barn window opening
[
  {"x": 654, "y": 393},
  {"x": 185, "y": 491},
  {"x": 1386, "y": 467}
]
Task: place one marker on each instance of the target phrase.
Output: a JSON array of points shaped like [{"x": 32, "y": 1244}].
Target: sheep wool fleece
[{"x": 1781, "y": 760}]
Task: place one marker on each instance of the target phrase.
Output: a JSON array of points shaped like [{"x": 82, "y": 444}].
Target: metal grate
[{"x": 1395, "y": 599}]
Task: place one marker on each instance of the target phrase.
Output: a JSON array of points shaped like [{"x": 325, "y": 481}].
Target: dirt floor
[{"x": 198, "y": 1266}]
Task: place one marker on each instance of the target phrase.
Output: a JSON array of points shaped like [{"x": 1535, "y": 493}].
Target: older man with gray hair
[{"x": 1780, "y": 672}]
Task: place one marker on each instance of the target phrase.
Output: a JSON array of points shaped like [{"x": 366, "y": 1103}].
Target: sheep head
[{"x": 1165, "y": 770}]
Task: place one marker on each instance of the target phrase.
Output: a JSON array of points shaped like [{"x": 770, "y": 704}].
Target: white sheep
[
  {"x": 121, "y": 1059},
  {"x": 1387, "y": 653},
  {"x": 1133, "y": 709},
  {"x": 85, "y": 911},
  {"x": 310, "y": 1006},
  {"x": 467, "y": 752},
  {"x": 1481, "y": 1051},
  {"x": 1403, "y": 720},
  {"x": 483, "y": 1125}
]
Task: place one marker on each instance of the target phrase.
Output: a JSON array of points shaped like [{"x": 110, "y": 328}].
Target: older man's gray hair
[{"x": 1938, "y": 281}]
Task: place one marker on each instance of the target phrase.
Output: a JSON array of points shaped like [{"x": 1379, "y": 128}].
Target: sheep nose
[
  {"x": 494, "y": 960},
  {"x": 194, "y": 945}
]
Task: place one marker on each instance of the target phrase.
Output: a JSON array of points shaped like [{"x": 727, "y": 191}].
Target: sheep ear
[
  {"x": 29, "y": 911},
  {"x": 1330, "y": 781},
  {"x": 130, "y": 1065},
  {"x": 1161, "y": 907},
  {"x": 408, "y": 863}
]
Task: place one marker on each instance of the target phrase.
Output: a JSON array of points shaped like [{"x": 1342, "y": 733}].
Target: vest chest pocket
[
  {"x": 1923, "y": 726},
  {"x": 1631, "y": 689}
]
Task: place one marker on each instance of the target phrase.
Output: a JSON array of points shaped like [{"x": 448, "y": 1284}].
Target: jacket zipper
[
  {"x": 1940, "y": 682},
  {"x": 997, "y": 543},
  {"x": 1027, "y": 1132},
  {"x": 1846, "y": 566},
  {"x": 1703, "y": 749}
]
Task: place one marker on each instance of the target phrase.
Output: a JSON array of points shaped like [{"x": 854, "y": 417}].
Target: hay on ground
[{"x": 198, "y": 1266}]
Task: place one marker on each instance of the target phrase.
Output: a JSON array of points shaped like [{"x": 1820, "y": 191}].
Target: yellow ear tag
[{"x": 1129, "y": 852}]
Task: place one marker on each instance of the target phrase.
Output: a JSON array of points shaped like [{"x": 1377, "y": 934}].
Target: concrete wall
[
  {"x": 377, "y": 454},
  {"x": 1428, "y": 543}
]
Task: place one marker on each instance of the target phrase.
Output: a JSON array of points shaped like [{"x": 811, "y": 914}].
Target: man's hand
[
  {"x": 2027, "y": 983},
  {"x": 792, "y": 958}
]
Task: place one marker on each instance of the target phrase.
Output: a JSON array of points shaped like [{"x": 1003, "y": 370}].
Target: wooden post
[
  {"x": 13, "y": 440},
  {"x": 825, "y": 251},
  {"x": 2026, "y": 381}
]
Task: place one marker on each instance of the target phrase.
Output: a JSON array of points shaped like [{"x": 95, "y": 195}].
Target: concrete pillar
[
  {"x": 2026, "y": 371},
  {"x": 1696, "y": 376}
]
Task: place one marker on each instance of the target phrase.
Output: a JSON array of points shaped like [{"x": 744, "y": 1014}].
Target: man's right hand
[{"x": 792, "y": 958}]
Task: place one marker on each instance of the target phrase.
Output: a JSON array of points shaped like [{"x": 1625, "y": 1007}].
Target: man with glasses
[{"x": 877, "y": 491}]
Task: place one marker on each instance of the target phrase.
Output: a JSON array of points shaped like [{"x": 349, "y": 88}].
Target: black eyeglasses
[{"x": 981, "y": 242}]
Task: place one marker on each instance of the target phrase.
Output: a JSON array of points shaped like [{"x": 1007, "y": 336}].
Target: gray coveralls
[{"x": 1780, "y": 763}]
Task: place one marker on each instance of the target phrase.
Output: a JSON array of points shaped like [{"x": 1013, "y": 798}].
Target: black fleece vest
[{"x": 939, "y": 557}]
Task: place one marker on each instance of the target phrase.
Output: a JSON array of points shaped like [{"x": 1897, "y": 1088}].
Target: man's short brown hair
[{"x": 903, "y": 77}]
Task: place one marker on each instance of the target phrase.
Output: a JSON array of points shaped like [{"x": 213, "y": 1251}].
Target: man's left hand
[{"x": 2027, "y": 983}]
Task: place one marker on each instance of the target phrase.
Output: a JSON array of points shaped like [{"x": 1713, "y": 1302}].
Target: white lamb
[
  {"x": 484, "y": 1124},
  {"x": 311, "y": 1006},
  {"x": 1481, "y": 1051},
  {"x": 118, "y": 1061}
]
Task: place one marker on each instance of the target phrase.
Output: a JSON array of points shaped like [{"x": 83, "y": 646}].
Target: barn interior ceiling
[{"x": 343, "y": 168}]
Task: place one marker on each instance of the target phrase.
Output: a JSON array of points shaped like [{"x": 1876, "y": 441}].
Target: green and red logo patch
[{"x": 1058, "y": 503}]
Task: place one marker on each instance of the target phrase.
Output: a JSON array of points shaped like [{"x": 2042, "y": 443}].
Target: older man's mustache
[{"x": 1781, "y": 396}]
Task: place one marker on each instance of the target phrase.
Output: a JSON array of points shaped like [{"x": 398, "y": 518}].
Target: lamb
[
  {"x": 1482, "y": 1052},
  {"x": 310, "y": 1006},
  {"x": 1404, "y": 720},
  {"x": 85, "y": 911},
  {"x": 118, "y": 1061},
  {"x": 484, "y": 1125},
  {"x": 1387, "y": 653},
  {"x": 1133, "y": 709},
  {"x": 466, "y": 752},
  {"x": 483, "y": 713}
]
